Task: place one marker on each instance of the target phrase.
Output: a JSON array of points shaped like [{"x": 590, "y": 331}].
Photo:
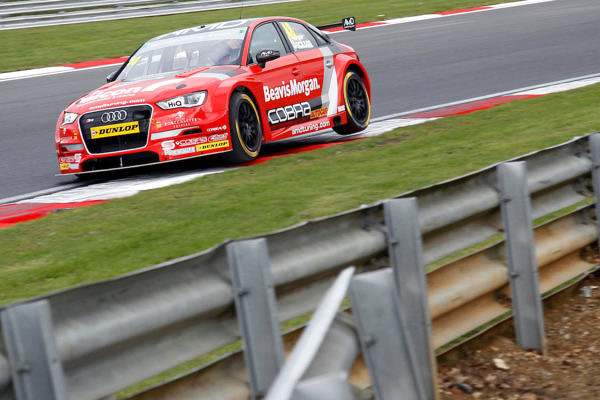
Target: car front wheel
[{"x": 246, "y": 130}]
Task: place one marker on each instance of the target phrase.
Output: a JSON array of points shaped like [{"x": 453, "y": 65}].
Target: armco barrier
[
  {"x": 114, "y": 333},
  {"x": 36, "y": 13}
]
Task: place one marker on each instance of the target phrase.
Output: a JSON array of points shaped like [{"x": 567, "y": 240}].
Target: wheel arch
[
  {"x": 360, "y": 70},
  {"x": 266, "y": 132}
]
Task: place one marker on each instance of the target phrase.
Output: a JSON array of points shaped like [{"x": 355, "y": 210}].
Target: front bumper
[{"x": 146, "y": 135}]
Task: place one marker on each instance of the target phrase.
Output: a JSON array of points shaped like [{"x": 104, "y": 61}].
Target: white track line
[
  {"x": 31, "y": 73},
  {"x": 119, "y": 188}
]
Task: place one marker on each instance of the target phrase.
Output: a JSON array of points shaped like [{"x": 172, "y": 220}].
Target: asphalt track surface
[{"x": 412, "y": 66}]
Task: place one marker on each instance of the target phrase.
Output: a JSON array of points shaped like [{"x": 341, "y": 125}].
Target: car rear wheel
[
  {"x": 246, "y": 130},
  {"x": 358, "y": 106}
]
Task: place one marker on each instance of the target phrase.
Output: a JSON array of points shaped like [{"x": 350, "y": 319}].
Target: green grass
[
  {"x": 56, "y": 45},
  {"x": 110, "y": 239}
]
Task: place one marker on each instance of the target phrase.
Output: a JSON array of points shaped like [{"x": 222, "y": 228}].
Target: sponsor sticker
[
  {"x": 192, "y": 141},
  {"x": 341, "y": 108},
  {"x": 218, "y": 137},
  {"x": 178, "y": 152},
  {"x": 321, "y": 112},
  {"x": 291, "y": 88},
  {"x": 110, "y": 94},
  {"x": 70, "y": 159},
  {"x": 118, "y": 103},
  {"x": 308, "y": 128},
  {"x": 170, "y": 150},
  {"x": 126, "y": 128},
  {"x": 289, "y": 113},
  {"x": 217, "y": 128},
  {"x": 168, "y": 145},
  {"x": 211, "y": 146},
  {"x": 176, "y": 123},
  {"x": 349, "y": 23},
  {"x": 64, "y": 166}
]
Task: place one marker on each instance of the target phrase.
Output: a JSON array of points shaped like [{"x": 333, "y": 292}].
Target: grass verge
[
  {"x": 56, "y": 45},
  {"x": 107, "y": 240}
]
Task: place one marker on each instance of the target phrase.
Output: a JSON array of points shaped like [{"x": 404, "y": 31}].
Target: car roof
[{"x": 215, "y": 26}]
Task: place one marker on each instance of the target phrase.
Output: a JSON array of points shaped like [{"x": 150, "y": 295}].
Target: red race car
[{"x": 220, "y": 88}]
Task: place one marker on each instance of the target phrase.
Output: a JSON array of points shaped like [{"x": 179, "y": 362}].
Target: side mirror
[
  {"x": 111, "y": 77},
  {"x": 264, "y": 56}
]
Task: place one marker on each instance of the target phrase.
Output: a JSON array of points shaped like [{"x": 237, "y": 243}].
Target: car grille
[{"x": 119, "y": 142}]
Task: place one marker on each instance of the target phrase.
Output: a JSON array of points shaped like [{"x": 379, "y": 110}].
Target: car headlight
[
  {"x": 186, "y": 101},
  {"x": 68, "y": 118}
]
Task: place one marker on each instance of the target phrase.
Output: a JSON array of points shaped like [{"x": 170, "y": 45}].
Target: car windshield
[{"x": 173, "y": 55}]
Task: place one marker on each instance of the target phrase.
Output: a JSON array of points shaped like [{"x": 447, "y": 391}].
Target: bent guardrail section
[
  {"x": 36, "y": 13},
  {"x": 115, "y": 333}
]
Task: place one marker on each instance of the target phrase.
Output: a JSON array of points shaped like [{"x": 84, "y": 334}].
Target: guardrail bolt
[
  {"x": 370, "y": 340},
  {"x": 23, "y": 368}
]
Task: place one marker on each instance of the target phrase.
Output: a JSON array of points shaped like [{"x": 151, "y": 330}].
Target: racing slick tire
[
  {"x": 358, "y": 106},
  {"x": 246, "y": 129}
]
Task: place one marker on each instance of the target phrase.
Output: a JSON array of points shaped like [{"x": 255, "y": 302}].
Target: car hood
[{"x": 121, "y": 93}]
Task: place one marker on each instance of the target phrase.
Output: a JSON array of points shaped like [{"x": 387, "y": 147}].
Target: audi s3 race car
[{"x": 226, "y": 87}]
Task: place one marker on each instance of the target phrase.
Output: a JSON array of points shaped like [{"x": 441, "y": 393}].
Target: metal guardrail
[
  {"x": 115, "y": 333},
  {"x": 37, "y": 13}
]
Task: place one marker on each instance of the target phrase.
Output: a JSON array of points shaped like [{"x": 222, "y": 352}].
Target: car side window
[
  {"x": 299, "y": 36},
  {"x": 265, "y": 37},
  {"x": 320, "y": 40}
]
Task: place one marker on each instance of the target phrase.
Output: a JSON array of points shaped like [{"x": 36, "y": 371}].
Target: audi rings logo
[{"x": 114, "y": 116}]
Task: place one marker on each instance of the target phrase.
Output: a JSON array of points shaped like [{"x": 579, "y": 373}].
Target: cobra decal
[{"x": 289, "y": 113}]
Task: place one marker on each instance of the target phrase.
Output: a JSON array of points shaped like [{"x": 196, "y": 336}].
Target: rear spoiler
[{"x": 348, "y": 23}]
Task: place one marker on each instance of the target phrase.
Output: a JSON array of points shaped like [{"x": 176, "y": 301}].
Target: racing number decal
[
  {"x": 134, "y": 60},
  {"x": 289, "y": 31}
]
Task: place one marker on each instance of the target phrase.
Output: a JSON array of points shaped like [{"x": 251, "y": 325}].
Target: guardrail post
[
  {"x": 384, "y": 337},
  {"x": 35, "y": 364},
  {"x": 325, "y": 387},
  {"x": 523, "y": 270},
  {"x": 327, "y": 376},
  {"x": 595, "y": 150},
  {"x": 256, "y": 309},
  {"x": 299, "y": 361},
  {"x": 405, "y": 248}
]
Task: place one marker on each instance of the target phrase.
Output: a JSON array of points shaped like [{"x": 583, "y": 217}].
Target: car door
[
  {"x": 278, "y": 78},
  {"x": 316, "y": 61}
]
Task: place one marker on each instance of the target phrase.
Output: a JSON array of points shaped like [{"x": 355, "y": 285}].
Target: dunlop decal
[
  {"x": 126, "y": 128},
  {"x": 212, "y": 146}
]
